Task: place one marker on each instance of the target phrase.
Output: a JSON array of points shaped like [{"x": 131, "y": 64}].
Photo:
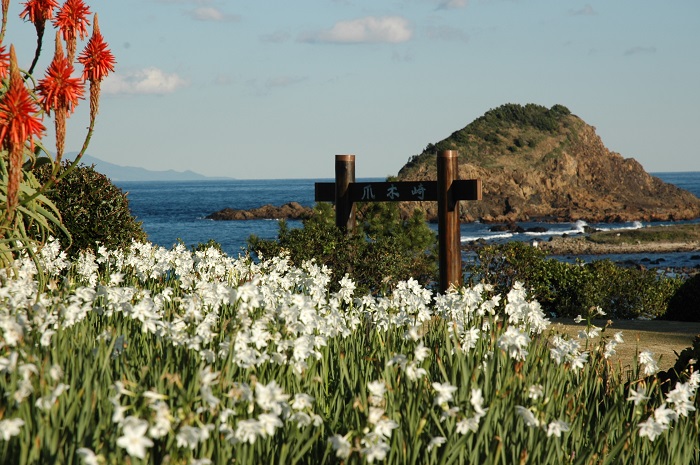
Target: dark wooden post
[
  {"x": 450, "y": 255},
  {"x": 344, "y": 206}
]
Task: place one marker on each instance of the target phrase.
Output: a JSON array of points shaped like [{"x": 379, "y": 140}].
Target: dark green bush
[
  {"x": 93, "y": 210},
  {"x": 384, "y": 250},
  {"x": 685, "y": 303},
  {"x": 531, "y": 114},
  {"x": 568, "y": 289}
]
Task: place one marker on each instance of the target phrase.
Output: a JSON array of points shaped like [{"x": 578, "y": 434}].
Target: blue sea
[{"x": 176, "y": 210}]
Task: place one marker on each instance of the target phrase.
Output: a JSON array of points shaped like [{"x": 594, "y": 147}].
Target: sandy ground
[{"x": 662, "y": 338}]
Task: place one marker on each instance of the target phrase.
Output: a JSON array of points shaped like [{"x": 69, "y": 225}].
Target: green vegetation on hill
[{"x": 508, "y": 128}]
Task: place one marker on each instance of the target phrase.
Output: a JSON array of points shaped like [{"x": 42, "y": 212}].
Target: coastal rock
[
  {"x": 516, "y": 228},
  {"x": 291, "y": 210},
  {"x": 540, "y": 164}
]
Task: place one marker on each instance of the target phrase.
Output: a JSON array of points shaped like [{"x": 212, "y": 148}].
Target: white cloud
[
  {"x": 209, "y": 13},
  {"x": 371, "y": 29},
  {"x": 452, "y": 4},
  {"x": 587, "y": 10},
  {"x": 640, "y": 50},
  {"x": 144, "y": 81},
  {"x": 180, "y": 2},
  {"x": 203, "y": 11}
]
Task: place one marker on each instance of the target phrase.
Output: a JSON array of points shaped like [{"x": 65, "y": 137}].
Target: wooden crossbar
[{"x": 400, "y": 191}]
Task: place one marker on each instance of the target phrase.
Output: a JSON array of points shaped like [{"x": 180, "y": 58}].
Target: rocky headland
[{"x": 548, "y": 165}]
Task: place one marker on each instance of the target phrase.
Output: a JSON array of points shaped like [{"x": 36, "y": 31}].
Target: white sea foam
[
  {"x": 552, "y": 233},
  {"x": 634, "y": 225},
  {"x": 486, "y": 237},
  {"x": 561, "y": 229}
]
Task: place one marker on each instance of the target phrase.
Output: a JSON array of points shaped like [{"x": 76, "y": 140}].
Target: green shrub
[
  {"x": 568, "y": 289},
  {"x": 93, "y": 210},
  {"x": 685, "y": 303},
  {"x": 384, "y": 250},
  {"x": 531, "y": 114}
]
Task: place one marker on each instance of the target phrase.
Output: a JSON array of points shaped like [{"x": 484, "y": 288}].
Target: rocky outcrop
[
  {"x": 548, "y": 165},
  {"x": 291, "y": 210}
]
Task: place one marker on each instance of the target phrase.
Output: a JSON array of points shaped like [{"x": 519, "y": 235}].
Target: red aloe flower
[
  {"x": 19, "y": 121},
  {"x": 96, "y": 58},
  {"x": 19, "y": 114},
  {"x": 38, "y": 11},
  {"x": 72, "y": 21},
  {"x": 58, "y": 90},
  {"x": 98, "y": 62}
]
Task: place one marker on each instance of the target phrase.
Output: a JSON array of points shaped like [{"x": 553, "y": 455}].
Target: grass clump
[{"x": 682, "y": 233}]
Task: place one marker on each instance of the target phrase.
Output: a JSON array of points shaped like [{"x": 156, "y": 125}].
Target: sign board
[{"x": 400, "y": 191}]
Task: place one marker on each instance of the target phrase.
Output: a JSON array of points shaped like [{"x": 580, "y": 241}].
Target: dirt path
[{"x": 662, "y": 338}]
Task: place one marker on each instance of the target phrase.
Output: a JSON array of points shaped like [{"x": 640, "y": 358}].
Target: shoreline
[
  {"x": 683, "y": 238},
  {"x": 584, "y": 246},
  {"x": 581, "y": 245}
]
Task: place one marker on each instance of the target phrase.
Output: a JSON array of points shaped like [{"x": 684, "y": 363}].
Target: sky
[{"x": 274, "y": 89}]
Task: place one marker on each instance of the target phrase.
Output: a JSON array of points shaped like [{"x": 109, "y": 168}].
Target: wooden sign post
[{"x": 448, "y": 190}]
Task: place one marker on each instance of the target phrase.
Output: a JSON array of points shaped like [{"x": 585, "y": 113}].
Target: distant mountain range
[{"x": 133, "y": 173}]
